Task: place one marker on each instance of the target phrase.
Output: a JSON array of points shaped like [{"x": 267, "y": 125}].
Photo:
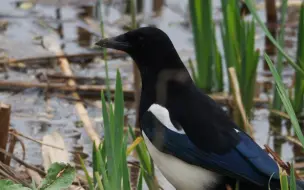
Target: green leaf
[
  {"x": 9, "y": 185},
  {"x": 285, "y": 99},
  {"x": 59, "y": 176}
]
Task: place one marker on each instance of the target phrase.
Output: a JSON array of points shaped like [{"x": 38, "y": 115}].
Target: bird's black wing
[
  {"x": 212, "y": 139},
  {"x": 245, "y": 161}
]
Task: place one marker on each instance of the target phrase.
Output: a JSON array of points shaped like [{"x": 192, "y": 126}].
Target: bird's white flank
[
  {"x": 163, "y": 116},
  {"x": 180, "y": 174}
]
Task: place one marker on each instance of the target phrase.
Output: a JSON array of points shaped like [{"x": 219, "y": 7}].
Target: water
[{"x": 33, "y": 116}]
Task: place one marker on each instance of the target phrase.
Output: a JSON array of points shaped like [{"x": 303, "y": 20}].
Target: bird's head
[{"x": 150, "y": 48}]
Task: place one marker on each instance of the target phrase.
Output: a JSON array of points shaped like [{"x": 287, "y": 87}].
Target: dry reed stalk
[
  {"x": 129, "y": 94},
  {"x": 238, "y": 100},
  {"x": 81, "y": 110},
  {"x": 112, "y": 54}
]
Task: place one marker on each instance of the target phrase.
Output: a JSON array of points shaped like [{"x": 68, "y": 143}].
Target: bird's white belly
[{"x": 181, "y": 175}]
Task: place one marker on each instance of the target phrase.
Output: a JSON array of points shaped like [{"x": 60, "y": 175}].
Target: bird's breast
[{"x": 181, "y": 175}]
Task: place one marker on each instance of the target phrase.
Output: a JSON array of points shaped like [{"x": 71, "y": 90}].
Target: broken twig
[
  {"x": 281, "y": 163},
  {"x": 115, "y": 54},
  {"x": 22, "y": 162}
]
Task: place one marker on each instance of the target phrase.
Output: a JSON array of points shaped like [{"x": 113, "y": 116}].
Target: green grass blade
[
  {"x": 133, "y": 14},
  {"x": 105, "y": 51},
  {"x": 142, "y": 153},
  {"x": 102, "y": 169},
  {"x": 277, "y": 105},
  {"x": 193, "y": 72},
  {"x": 140, "y": 180},
  {"x": 285, "y": 100},
  {"x": 96, "y": 165},
  {"x": 109, "y": 141},
  {"x": 90, "y": 182},
  {"x": 196, "y": 18},
  {"x": 119, "y": 114},
  {"x": 117, "y": 121},
  {"x": 99, "y": 183},
  {"x": 230, "y": 28},
  {"x": 284, "y": 181},
  {"x": 252, "y": 9},
  {"x": 203, "y": 32},
  {"x": 103, "y": 151},
  {"x": 292, "y": 182},
  {"x": 146, "y": 162},
  {"x": 299, "y": 82},
  {"x": 125, "y": 169},
  {"x": 218, "y": 67},
  {"x": 249, "y": 66},
  {"x": 238, "y": 37}
]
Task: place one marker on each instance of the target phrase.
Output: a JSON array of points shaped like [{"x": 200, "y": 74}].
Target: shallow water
[{"x": 35, "y": 117}]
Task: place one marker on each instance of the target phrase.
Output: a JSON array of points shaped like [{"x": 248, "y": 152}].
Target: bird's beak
[{"x": 118, "y": 42}]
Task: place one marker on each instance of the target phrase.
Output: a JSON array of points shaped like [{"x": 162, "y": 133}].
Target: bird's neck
[
  {"x": 148, "y": 96},
  {"x": 158, "y": 87}
]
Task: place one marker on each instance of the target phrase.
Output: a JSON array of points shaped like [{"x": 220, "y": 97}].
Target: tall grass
[
  {"x": 239, "y": 49},
  {"x": 299, "y": 82},
  {"x": 285, "y": 99},
  {"x": 275, "y": 121},
  {"x": 208, "y": 73},
  {"x": 253, "y": 11},
  {"x": 110, "y": 166},
  {"x": 276, "y": 104},
  {"x": 288, "y": 107},
  {"x": 281, "y": 90}
]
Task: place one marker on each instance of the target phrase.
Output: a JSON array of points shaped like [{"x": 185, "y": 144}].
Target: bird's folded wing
[{"x": 245, "y": 161}]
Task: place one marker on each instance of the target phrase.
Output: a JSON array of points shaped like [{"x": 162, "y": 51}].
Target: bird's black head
[{"x": 150, "y": 48}]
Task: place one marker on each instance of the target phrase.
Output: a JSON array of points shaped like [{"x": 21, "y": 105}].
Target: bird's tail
[{"x": 300, "y": 184}]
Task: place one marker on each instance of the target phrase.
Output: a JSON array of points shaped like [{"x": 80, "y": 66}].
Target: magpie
[{"x": 189, "y": 136}]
